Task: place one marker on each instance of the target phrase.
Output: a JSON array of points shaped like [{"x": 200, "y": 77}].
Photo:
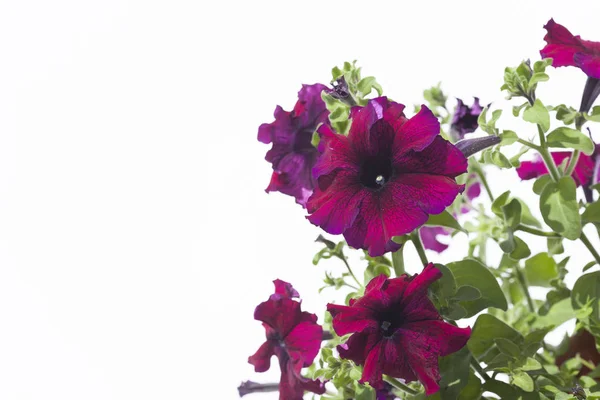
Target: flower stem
[
  {"x": 477, "y": 367},
  {"x": 523, "y": 284},
  {"x": 591, "y": 248},
  {"x": 248, "y": 387},
  {"x": 543, "y": 150},
  {"x": 529, "y": 144},
  {"x": 399, "y": 385},
  {"x": 483, "y": 180},
  {"x": 343, "y": 258},
  {"x": 416, "y": 239},
  {"x": 537, "y": 232},
  {"x": 572, "y": 163}
]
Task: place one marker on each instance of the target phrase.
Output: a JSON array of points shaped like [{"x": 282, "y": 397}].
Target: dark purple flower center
[
  {"x": 389, "y": 323},
  {"x": 375, "y": 172},
  {"x": 302, "y": 141}
]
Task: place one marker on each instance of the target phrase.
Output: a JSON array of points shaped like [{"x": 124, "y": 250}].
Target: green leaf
[
  {"x": 507, "y": 347},
  {"x": 454, "y": 370},
  {"x": 587, "y": 287},
  {"x": 594, "y": 115},
  {"x": 568, "y": 138},
  {"x": 540, "y": 270},
  {"x": 367, "y": 84},
  {"x": 538, "y": 114},
  {"x": 470, "y": 272},
  {"x": 558, "y": 204},
  {"x": 398, "y": 261},
  {"x": 540, "y": 183},
  {"x": 589, "y": 265},
  {"x": 364, "y": 393},
  {"x": 531, "y": 364},
  {"x": 499, "y": 202},
  {"x": 521, "y": 249},
  {"x": 512, "y": 213},
  {"x": 538, "y": 77},
  {"x": 555, "y": 246},
  {"x": 487, "y": 328},
  {"x": 467, "y": 293},
  {"x": 522, "y": 380},
  {"x": 507, "y": 138},
  {"x": 444, "y": 219},
  {"x": 514, "y": 160},
  {"x": 527, "y": 217},
  {"x": 473, "y": 389},
  {"x": 504, "y": 390},
  {"x": 591, "y": 213}
]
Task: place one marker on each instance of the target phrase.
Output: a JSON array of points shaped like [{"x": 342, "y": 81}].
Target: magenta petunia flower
[
  {"x": 385, "y": 177},
  {"x": 464, "y": 119},
  {"x": 397, "y": 331},
  {"x": 293, "y": 336},
  {"x": 584, "y": 174},
  {"x": 292, "y": 154},
  {"x": 568, "y": 50}
]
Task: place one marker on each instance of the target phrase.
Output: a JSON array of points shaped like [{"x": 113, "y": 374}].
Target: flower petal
[
  {"x": 292, "y": 384},
  {"x": 304, "y": 341},
  {"x": 439, "y": 158},
  {"x": 416, "y": 133},
  {"x": 589, "y": 63},
  {"x": 562, "y": 45},
  {"x": 284, "y": 289},
  {"x": 281, "y": 314},
  {"x": 351, "y": 319},
  {"x": 372, "y": 370},
  {"x": 262, "y": 358},
  {"x": 429, "y": 237}
]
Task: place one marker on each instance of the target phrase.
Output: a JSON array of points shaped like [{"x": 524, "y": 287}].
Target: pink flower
[
  {"x": 293, "y": 336},
  {"x": 583, "y": 174},
  {"x": 568, "y": 50},
  {"x": 397, "y": 331},
  {"x": 385, "y": 177},
  {"x": 292, "y": 155}
]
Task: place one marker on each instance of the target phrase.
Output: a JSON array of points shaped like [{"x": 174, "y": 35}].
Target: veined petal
[
  {"x": 281, "y": 314},
  {"x": 416, "y": 133},
  {"x": 439, "y": 158},
  {"x": 351, "y": 319},
  {"x": 262, "y": 358},
  {"x": 304, "y": 341},
  {"x": 562, "y": 45}
]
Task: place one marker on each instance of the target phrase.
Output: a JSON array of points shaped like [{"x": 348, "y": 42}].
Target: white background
[{"x": 135, "y": 234}]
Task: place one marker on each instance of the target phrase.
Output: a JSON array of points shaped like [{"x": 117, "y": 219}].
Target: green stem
[
  {"x": 343, "y": 258},
  {"x": 543, "y": 150},
  {"x": 416, "y": 239},
  {"x": 572, "y": 163},
  {"x": 483, "y": 180},
  {"x": 521, "y": 280},
  {"x": 537, "y": 232},
  {"x": 399, "y": 385},
  {"x": 591, "y": 248},
  {"x": 529, "y": 144},
  {"x": 477, "y": 367}
]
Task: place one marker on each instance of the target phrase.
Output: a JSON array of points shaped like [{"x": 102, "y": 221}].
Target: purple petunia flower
[
  {"x": 293, "y": 336},
  {"x": 385, "y": 177},
  {"x": 292, "y": 154},
  {"x": 397, "y": 331},
  {"x": 568, "y": 50},
  {"x": 464, "y": 119},
  {"x": 584, "y": 174}
]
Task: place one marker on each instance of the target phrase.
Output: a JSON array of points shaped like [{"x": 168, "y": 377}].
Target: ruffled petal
[
  {"x": 262, "y": 358},
  {"x": 351, "y": 319},
  {"x": 294, "y": 176},
  {"x": 363, "y": 119},
  {"x": 304, "y": 341},
  {"x": 372, "y": 370},
  {"x": 423, "y": 342},
  {"x": 358, "y": 346},
  {"x": 292, "y": 384},
  {"x": 582, "y": 174},
  {"x": 439, "y": 158},
  {"x": 562, "y": 45},
  {"x": 416, "y": 133},
  {"x": 281, "y": 314},
  {"x": 395, "y": 363},
  {"x": 284, "y": 289}
]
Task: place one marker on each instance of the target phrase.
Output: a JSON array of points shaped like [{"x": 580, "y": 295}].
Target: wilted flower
[
  {"x": 293, "y": 155},
  {"x": 397, "y": 331},
  {"x": 464, "y": 119},
  {"x": 293, "y": 336},
  {"x": 385, "y": 177}
]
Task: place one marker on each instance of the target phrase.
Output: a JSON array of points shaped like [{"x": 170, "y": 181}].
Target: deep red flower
[
  {"x": 584, "y": 344},
  {"x": 293, "y": 336},
  {"x": 568, "y": 50},
  {"x": 397, "y": 331},
  {"x": 385, "y": 177},
  {"x": 292, "y": 154},
  {"x": 584, "y": 174}
]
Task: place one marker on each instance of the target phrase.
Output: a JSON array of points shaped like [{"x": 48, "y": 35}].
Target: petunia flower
[
  {"x": 568, "y": 50},
  {"x": 584, "y": 173},
  {"x": 292, "y": 154},
  {"x": 464, "y": 119},
  {"x": 397, "y": 331},
  {"x": 385, "y": 178},
  {"x": 293, "y": 336},
  {"x": 584, "y": 344}
]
